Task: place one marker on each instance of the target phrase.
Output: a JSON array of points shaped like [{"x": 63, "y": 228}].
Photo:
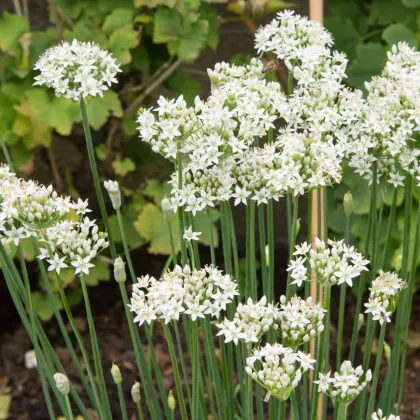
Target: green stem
[
  {"x": 96, "y": 352},
  {"x": 68, "y": 405},
  {"x": 291, "y": 288},
  {"x": 139, "y": 411},
  {"x": 262, "y": 241},
  {"x": 6, "y": 154},
  {"x": 182, "y": 359},
  {"x": 249, "y": 388},
  {"x": 294, "y": 406},
  {"x": 252, "y": 292},
  {"x": 175, "y": 372},
  {"x": 95, "y": 176},
  {"x": 171, "y": 241},
  {"x": 342, "y": 411},
  {"x": 122, "y": 402},
  {"x": 376, "y": 371},
  {"x": 195, "y": 372},
  {"x": 212, "y": 250},
  {"x": 180, "y": 210},
  {"x": 389, "y": 228}
]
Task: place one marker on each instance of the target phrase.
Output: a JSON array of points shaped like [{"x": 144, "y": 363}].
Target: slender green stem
[
  {"x": 342, "y": 303},
  {"x": 195, "y": 372},
  {"x": 182, "y": 360},
  {"x": 95, "y": 176},
  {"x": 294, "y": 406},
  {"x": 249, "y": 388},
  {"x": 139, "y": 411},
  {"x": 376, "y": 371},
  {"x": 389, "y": 228},
  {"x": 262, "y": 241},
  {"x": 180, "y": 210},
  {"x": 342, "y": 411},
  {"x": 175, "y": 372},
  {"x": 122, "y": 402},
  {"x": 68, "y": 405},
  {"x": 234, "y": 250},
  {"x": 291, "y": 288},
  {"x": 171, "y": 241},
  {"x": 6, "y": 154},
  {"x": 251, "y": 258},
  {"x": 212, "y": 250},
  {"x": 96, "y": 352}
]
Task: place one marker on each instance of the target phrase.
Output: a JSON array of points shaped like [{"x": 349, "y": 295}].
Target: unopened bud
[
  {"x": 267, "y": 255},
  {"x": 360, "y": 322},
  {"x": 135, "y": 392},
  {"x": 62, "y": 383},
  {"x": 116, "y": 374},
  {"x": 171, "y": 401},
  {"x": 114, "y": 193},
  {"x": 119, "y": 270},
  {"x": 297, "y": 226},
  {"x": 167, "y": 209},
  {"x": 387, "y": 351},
  {"x": 348, "y": 204}
]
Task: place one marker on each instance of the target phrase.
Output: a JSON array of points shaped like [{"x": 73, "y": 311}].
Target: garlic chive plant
[{"x": 237, "y": 348}]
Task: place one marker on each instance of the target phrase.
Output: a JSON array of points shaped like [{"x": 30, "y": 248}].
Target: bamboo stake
[{"x": 316, "y": 12}]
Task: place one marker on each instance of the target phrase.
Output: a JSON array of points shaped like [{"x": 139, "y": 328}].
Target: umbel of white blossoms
[
  {"x": 278, "y": 369},
  {"x": 379, "y": 416},
  {"x": 299, "y": 320},
  {"x": 183, "y": 290},
  {"x": 251, "y": 321},
  {"x": 384, "y": 296},
  {"x": 30, "y": 209},
  {"x": 389, "y": 124},
  {"x": 334, "y": 264},
  {"x": 346, "y": 385},
  {"x": 77, "y": 70}
]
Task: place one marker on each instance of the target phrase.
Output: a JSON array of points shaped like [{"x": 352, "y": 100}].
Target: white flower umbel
[
  {"x": 76, "y": 70},
  {"x": 334, "y": 264},
  {"x": 379, "y": 416},
  {"x": 195, "y": 293},
  {"x": 384, "y": 296},
  {"x": 299, "y": 320},
  {"x": 251, "y": 321},
  {"x": 346, "y": 385},
  {"x": 278, "y": 369},
  {"x": 189, "y": 235}
]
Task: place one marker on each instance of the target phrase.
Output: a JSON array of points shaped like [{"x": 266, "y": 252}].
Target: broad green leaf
[
  {"x": 388, "y": 196},
  {"x": 140, "y": 57},
  {"x": 153, "y": 227},
  {"x": 412, "y": 4},
  {"x": 182, "y": 84},
  {"x": 350, "y": 10},
  {"x": 100, "y": 151},
  {"x": 201, "y": 224},
  {"x": 12, "y": 27},
  {"x": 82, "y": 32},
  {"x": 99, "y": 109},
  {"x": 370, "y": 60},
  {"x": 100, "y": 272},
  {"x": 42, "y": 305},
  {"x": 119, "y": 17},
  {"x": 66, "y": 275},
  {"x": 168, "y": 26},
  {"x": 64, "y": 113},
  {"x": 154, "y": 3},
  {"x": 210, "y": 15},
  {"x": 20, "y": 155},
  {"x": 28, "y": 249},
  {"x": 346, "y": 37},
  {"x": 5, "y": 403},
  {"x": 121, "y": 41},
  {"x": 40, "y": 42},
  {"x": 397, "y": 33},
  {"x": 157, "y": 190},
  {"x": 384, "y": 12},
  {"x": 124, "y": 166}
]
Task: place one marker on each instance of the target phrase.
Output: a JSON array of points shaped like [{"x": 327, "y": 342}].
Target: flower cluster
[
  {"x": 334, "y": 264},
  {"x": 346, "y": 385},
  {"x": 182, "y": 291},
  {"x": 250, "y": 323},
  {"x": 299, "y": 320},
  {"x": 76, "y": 70},
  {"x": 379, "y": 416},
  {"x": 30, "y": 209},
  {"x": 278, "y": 369},
  {"x": 383, "y": 297}
]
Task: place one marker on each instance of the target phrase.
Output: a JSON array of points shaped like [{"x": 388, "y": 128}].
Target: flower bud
[
  {"x": 119, "y": 270},
  {"x": 114, "y": 193},
  {"x": 387, "y": 351},
  {"x": 171, "y": 401},
  {"x": 135, "y": 392},
  {"x": 116, "y": 374},
  {"x": 360, "y": 322},
  {"x": 62, "y": 383},
  {"x": 267, "y": 255},
  {"x": 167, "y": 209},
  {"x": 348, "y": 204},
  {"x": 297, "y": 226}
]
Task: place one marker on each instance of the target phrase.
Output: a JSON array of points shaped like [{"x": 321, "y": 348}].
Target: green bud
[
  {"x": 116, "y": 374},
  {"x": 62, "y": 383},
  {"x": 348, "y": 204},
  {"x": 167, "y": 209},
  {"x": 171, "y": 401},
  {"x": 119, "y": 270},
  {"x": 135, "y": 392},
  {"x": 387, "y": 351}
]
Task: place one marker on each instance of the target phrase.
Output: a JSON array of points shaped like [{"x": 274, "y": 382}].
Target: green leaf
[
  {"x": 5, "y": 403},
  {"x": 123, "y": 167},
  {"x": 99, "y": 109},
  {"x": 350, "y": 10},
  {"x": 370, "y": 60},
  {"x": 100, "y": 272},
  {"x": 168, "y": 26},
  {"x": 412, "y": 4},
  {"x": 64, "y": 113},
  {"x": 397, "y": 33},
  {"x": 346, "y": 37},
  {"x": 388, "y": 196},
  {"x": 82, "y": 32},
  {"x": 209, "y": 14},
  {"x": 118, "y": 17},
  {"x": 157, "y": 190},
  {"x": 153, "y": 227},
  {"x": 154, "y": 3},
  {"x": 201, "y": 224},
  {"x": 182, "y": 84},
  {"x": 384, "y": 12},
  {"x": 121, "y": 41},
  {"x": 12, "y": 27},
  {"x": 42, "y": 305}
]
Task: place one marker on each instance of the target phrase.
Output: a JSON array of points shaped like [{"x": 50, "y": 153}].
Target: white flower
[
  {"x": 76, "y": 70},
  {"x": 346, "y": 385},
  {"x": 379, "y": 416},
  {"x": 82, "y": 265},
  {"x": 57, "y": 263},
  {"x": 189, "y": 235}
]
